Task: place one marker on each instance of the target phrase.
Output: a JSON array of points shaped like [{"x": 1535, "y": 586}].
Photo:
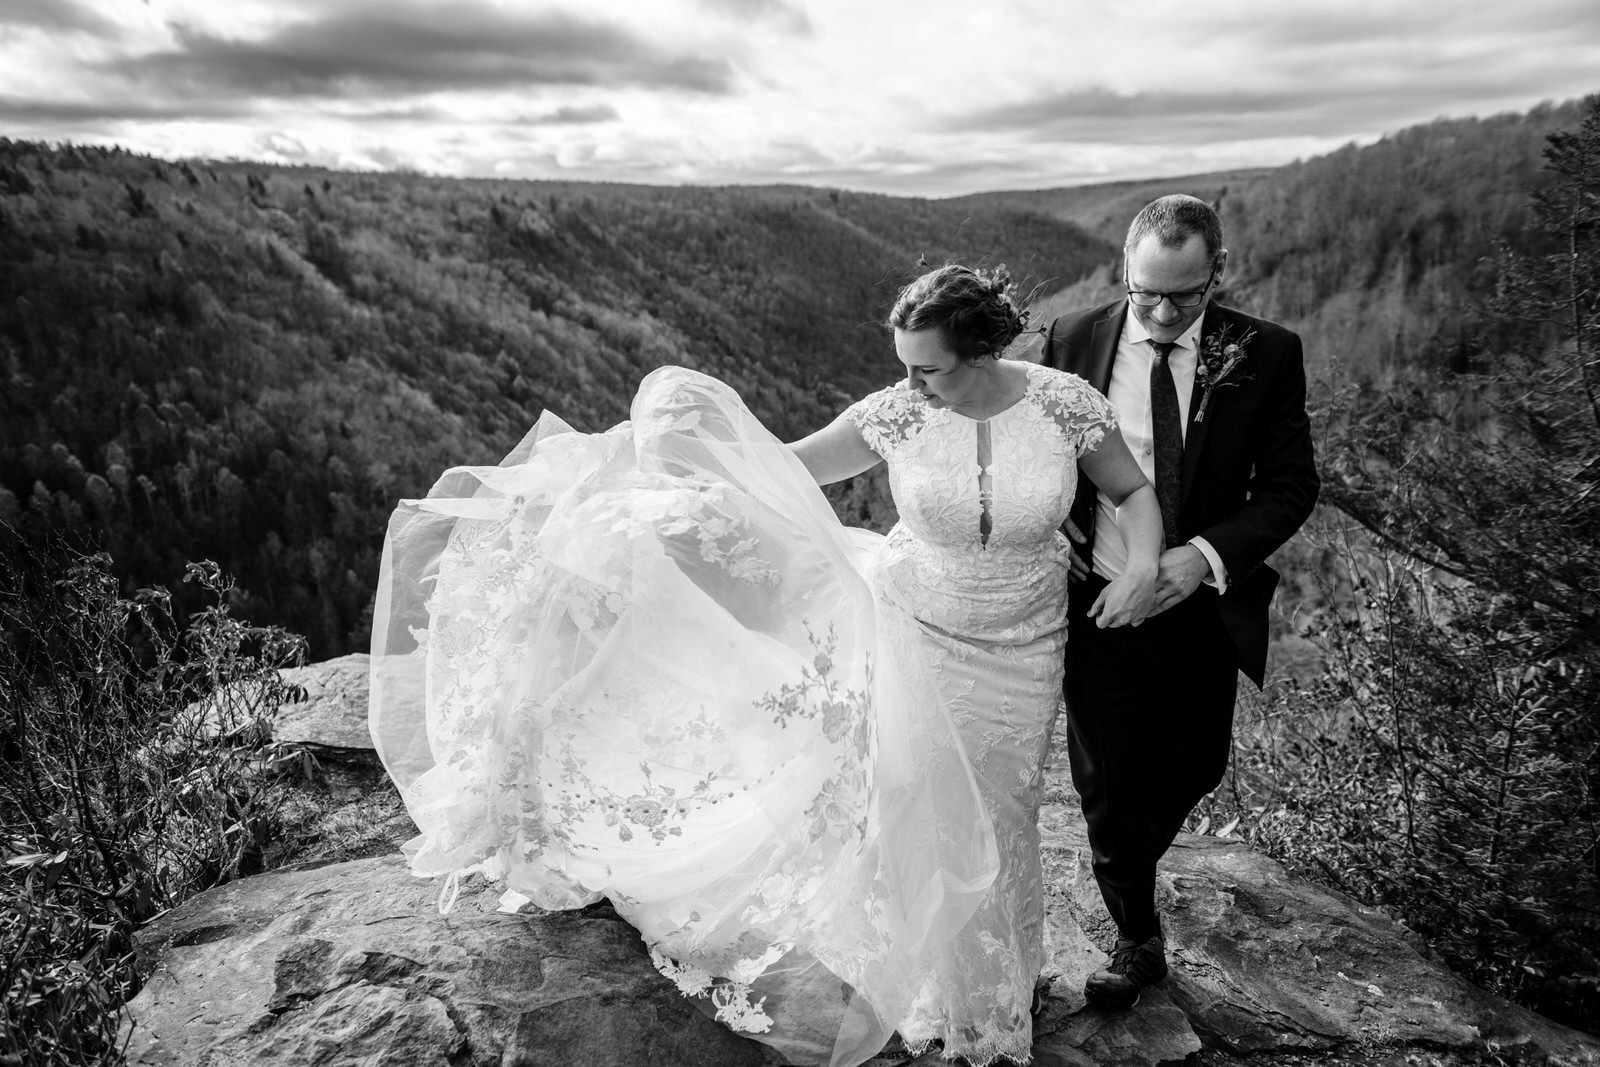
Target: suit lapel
[
  {"x": 1103, "y": 346},
  {"x": 1194, "y": 435}
]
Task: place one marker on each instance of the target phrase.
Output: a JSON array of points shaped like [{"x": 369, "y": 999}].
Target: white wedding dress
[{"x": 803, "y": 760}]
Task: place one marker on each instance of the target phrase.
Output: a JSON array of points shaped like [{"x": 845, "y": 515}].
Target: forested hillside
[
  {"x": 1380, "y": 256},
  {"x": 1105, "y": 209},
  {"x": 252, "y": 364}
]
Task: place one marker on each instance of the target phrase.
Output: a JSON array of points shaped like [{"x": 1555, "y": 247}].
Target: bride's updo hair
[{"x": 977, "y": 309}]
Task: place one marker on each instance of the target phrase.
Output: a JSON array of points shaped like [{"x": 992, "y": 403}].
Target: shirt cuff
[{"x": 1219, "y": 573}]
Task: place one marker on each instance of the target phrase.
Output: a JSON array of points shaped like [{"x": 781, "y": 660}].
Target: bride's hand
[{"x": 1128, "y": 600}]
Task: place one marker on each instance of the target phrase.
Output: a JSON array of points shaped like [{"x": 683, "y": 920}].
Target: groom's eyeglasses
[{"x": 1146, "y": 299}]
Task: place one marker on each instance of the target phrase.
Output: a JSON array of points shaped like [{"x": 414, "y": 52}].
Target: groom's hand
[{"x": 1182, "y": 570}]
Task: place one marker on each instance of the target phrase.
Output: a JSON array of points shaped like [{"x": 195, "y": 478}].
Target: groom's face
[{"x": 1155, "y": 268}]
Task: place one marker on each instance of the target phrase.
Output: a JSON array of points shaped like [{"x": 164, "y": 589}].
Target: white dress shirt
[{"x": 1130, "y": 395}]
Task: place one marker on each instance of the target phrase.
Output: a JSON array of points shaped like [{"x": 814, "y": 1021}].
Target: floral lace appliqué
[{"x": 734, "y": 1007}]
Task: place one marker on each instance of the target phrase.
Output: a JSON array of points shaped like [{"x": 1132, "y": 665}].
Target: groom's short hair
[{"x": 1173, "y": 220}]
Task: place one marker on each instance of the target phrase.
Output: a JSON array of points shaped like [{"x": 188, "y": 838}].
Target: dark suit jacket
[{"x": 1249, "y": 471}]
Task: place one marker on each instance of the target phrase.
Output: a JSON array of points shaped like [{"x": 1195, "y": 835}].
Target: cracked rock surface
[
  {"x": 1265, "y": 964},
  {"x": 328, "y": 694},
  {"x": 352, "y": 964}
]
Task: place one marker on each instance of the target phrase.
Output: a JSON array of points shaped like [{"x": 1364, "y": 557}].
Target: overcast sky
[{"x": 917, "y": 97}]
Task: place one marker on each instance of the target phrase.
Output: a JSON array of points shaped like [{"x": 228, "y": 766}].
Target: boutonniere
[{"x": 1219, "y": 365}]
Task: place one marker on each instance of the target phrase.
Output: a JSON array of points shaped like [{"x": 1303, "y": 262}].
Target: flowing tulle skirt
[{"x": 651, "y": 665}]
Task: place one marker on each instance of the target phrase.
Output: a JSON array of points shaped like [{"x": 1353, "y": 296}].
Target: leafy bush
[{"x": 137, "y": 773}]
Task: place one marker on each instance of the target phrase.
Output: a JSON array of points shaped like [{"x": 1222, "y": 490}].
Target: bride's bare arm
[
  {"x": 1130, "y": 598},
  {"x": 835, "y": 452}
]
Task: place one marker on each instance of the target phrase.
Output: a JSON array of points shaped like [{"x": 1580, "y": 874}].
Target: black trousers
[{"x": 1149, "y": 733}]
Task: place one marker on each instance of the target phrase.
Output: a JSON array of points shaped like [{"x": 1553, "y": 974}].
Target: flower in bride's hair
[
  {"x": 998, "y": 280},
  {"x": 1011, "y": 305}
]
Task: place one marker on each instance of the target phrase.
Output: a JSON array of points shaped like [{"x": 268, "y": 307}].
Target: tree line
[{"x": 253, "y": 364}]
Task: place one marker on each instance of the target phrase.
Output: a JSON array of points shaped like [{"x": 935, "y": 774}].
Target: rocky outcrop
[
  {"x": 331, "y": 712},
  {"x": 353, "y": 964},
  {"x": 1265, "y": 963}
]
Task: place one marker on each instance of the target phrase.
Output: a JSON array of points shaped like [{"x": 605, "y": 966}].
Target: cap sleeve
[
  {"x": 888, "y": 418},
  {"x": 1081, "y": 412}
]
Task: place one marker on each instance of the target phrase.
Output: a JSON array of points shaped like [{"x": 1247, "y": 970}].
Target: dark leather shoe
[{"x": 1133, "y": 965}]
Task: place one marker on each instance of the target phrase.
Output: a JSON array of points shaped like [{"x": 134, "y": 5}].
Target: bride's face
[{"x": 943, "y": 378}]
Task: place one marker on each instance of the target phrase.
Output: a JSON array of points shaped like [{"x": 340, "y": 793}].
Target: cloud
[
  {"x": 571, "y": 116},
  {"x": 783, "y": 14},
  {"x": 55, "y": 15},
  {"x": 1420, "y": 27},
  {"x": 418, "y": 114},
  {"x": 35, "y": 111},
  {"x": 1096, "y": 115},
  {"x": 797, "y": 160},
  {"x": 428, "y": 114},
  {"x": 733, "y": 91},
  {"x": 1180, "y": 117},
  {"x": 400, "y": 49},
  {"x": 1328, "y": 28},
  {"x": 1330, "y": 69}
]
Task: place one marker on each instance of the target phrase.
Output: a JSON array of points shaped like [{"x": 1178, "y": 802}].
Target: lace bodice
[
  {"x": 934, "y": 471},
  {"x": 1006, "y": 583}
]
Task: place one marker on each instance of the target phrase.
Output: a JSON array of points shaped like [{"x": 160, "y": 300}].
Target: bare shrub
[{"x": 137, "y": 772}]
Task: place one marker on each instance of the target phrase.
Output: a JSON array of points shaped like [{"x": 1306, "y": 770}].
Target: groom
[{"x": 1212, "y": 404}]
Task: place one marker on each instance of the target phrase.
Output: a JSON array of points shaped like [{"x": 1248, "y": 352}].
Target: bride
[{"x": 803, "y": 760}]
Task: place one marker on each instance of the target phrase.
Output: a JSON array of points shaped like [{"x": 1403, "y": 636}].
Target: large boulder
[
  {"x": 326, "y": 712},
  {"x": 353, "y": 964},
  {"x": 1262, "y": 962},
  {"x": 331, "y": 712}
]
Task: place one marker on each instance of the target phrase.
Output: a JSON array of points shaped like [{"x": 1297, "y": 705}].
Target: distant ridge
[{"x": 1104, "y": 208}]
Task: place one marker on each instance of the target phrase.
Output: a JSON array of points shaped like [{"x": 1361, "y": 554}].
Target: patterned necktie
[{"x": 1166, "y": 427}]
